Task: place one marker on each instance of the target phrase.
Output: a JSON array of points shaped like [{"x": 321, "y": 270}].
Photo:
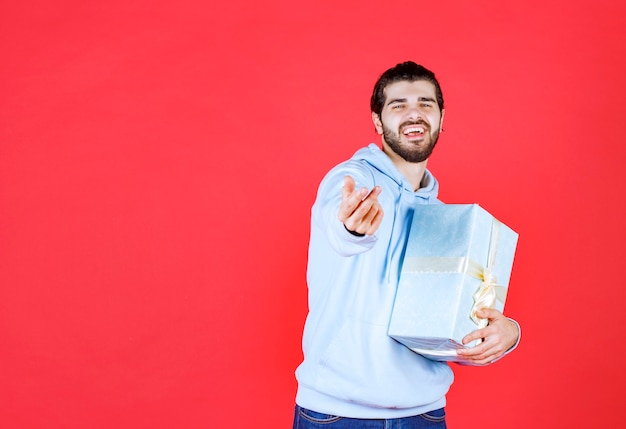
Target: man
[{"x": 353, "y": 374}]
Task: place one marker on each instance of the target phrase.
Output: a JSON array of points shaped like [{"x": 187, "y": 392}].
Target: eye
[{"x": 396, "y": 106}]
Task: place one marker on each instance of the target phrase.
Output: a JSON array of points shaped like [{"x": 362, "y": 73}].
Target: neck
[{"x": 412, "y": 171}]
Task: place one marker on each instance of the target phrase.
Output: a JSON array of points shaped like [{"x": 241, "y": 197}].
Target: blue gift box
[{"x": 458, "y": 259}]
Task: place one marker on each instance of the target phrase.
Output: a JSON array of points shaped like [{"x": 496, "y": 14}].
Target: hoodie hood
[{"x": 374, "y": 156}]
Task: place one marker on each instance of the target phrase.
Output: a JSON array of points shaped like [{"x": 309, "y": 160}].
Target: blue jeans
[{"x": 307, "y": 419}]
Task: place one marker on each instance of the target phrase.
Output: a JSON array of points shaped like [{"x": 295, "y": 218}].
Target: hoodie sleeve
[{"x": 324, "y": 216}]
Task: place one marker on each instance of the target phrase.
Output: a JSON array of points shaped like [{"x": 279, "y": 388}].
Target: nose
[{"x": 414, "y": 113}]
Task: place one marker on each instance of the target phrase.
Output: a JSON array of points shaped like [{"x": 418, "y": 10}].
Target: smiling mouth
[{"x": 414, "y": 131}]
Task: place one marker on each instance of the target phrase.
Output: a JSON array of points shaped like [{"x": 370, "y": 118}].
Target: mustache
[{"x": 421, "y": 122}]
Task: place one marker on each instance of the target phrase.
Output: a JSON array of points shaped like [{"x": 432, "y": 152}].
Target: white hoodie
[{"x": 351, "y": 367}]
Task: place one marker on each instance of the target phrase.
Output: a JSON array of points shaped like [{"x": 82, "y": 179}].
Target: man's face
[{"x": 410, "y": 120}]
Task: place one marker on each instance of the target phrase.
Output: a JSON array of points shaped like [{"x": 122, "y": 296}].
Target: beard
[{"x": 411, "y": 152}]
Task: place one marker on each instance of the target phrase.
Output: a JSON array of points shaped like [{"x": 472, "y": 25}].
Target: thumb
[
  {"x": 348, "y": 186},
  {"x": 488, "y": 313}
]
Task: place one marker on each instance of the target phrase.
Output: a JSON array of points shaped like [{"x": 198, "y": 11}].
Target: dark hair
[{"x": 408, "y": 71}]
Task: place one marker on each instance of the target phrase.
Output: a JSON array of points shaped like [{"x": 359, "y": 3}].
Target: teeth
[{"x": 414, "y": 130}]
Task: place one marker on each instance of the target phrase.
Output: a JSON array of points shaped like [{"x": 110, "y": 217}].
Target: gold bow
[{"x": 485, "y": 297}]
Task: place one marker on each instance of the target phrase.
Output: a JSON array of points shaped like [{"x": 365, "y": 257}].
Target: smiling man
[{"x": 353, "y": 374}]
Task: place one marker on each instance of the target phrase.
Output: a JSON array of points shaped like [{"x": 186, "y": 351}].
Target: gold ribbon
[{"x": 489, "y": 290}]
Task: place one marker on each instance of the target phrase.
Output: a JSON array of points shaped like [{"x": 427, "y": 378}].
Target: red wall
[{"x": 158, "y": 161}]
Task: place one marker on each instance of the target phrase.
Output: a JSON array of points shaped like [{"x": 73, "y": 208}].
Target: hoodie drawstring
[{"x": 391, "y": 250}]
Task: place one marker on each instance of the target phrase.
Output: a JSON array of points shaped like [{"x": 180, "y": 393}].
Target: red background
[{"x": 158, "y": 161}]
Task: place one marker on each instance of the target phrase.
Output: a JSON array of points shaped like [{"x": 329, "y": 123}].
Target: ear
[
  {"x": 443, "y": 112},
  {"x": 377, "y": 123}
]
